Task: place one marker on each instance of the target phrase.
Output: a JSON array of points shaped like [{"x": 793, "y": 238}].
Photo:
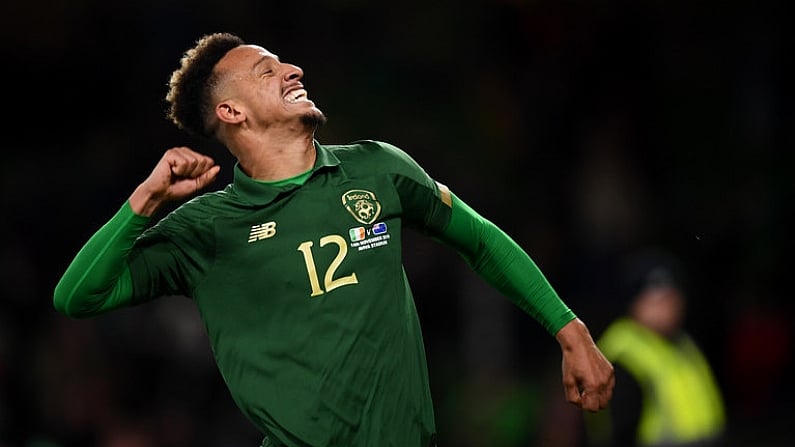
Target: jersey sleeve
[
  {"x": 426, "y": 203},
  {"x": 503, "y": 264},
  {"x": 169, "y": 257},
  {"x": 432, "y": 208},
  {"x": 98, "y": 278}
]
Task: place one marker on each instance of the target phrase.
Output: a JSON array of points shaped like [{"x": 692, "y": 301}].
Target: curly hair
[{"x": 190, "y": 85}]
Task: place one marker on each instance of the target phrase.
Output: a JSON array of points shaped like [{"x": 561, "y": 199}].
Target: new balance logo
[{"x": 262, "y": 231}]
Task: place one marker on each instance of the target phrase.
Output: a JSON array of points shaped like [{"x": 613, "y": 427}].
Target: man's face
[
  {"x": 661, "y": 308},
  {"x": 269, "y": 90}
]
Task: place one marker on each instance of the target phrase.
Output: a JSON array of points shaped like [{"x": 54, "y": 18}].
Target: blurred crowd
[{"x": 587, "y": 130}]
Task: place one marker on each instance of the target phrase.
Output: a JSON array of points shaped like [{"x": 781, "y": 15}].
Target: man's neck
[{"x": 271, "y": 159}]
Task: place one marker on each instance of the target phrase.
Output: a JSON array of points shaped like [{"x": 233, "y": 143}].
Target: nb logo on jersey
[{"x": 262, "y": 231}]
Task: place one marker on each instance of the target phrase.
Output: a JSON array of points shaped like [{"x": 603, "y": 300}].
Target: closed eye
[{"x": 265, "y": 65}]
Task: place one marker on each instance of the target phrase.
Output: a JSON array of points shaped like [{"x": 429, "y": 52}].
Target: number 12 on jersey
[{"x": 329, "y": 281}]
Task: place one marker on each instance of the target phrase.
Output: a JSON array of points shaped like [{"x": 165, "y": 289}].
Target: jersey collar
[{"x": 259, "y": 193}]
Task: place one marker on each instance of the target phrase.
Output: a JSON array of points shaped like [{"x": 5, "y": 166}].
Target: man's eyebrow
[{"x": 266, "y": 58}]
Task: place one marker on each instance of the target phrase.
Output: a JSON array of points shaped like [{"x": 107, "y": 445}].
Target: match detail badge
[{"x": 362, "y": 205}]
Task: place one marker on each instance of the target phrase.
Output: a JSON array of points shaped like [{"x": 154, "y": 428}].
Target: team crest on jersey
[{"x": 362, "y": 205}]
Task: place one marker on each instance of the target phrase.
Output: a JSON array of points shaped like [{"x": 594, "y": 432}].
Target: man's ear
[{"x": 228, "y": 112}]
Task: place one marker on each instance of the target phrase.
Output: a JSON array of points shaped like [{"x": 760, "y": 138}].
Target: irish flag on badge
[{"x": 357, "y": 234}]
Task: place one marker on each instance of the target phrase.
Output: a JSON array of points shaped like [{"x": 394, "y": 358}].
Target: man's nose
[{"x": 293, "y": 72}]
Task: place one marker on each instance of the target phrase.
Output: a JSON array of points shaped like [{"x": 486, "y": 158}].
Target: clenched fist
[{"x": 180, "y": 173}]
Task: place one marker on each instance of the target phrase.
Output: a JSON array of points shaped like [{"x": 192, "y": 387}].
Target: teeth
[{"x": 295, "y": 96}]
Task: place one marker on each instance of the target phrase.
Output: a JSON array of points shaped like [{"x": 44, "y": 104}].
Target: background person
[{"x": 666, "y": 394}]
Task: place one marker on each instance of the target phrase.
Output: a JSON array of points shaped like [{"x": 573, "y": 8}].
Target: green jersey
[{"x": 302, "y": 290}]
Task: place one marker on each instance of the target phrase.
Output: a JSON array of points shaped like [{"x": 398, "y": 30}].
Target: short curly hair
[{"x": 190, "y": 86}]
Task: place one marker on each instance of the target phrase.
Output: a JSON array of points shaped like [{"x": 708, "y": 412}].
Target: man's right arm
[{"x": 98, "y": 279}]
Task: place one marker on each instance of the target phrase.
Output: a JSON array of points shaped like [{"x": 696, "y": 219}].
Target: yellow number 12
[{"x": 328, "y": 278}]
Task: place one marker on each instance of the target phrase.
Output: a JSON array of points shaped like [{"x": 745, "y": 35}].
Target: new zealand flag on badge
[{"x": 379, "y": 228}]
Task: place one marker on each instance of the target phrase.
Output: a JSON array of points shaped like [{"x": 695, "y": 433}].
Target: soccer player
[{"x": 296, "y": 265}]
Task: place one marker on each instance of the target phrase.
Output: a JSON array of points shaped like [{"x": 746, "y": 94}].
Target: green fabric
[
  {"x": 497, "y": 258},
  {"x": 302, "y": 293},
  {"x": 98, "y": 280},
  {"x": 302, "y": 290},
  {"x": 295, "y": 180}
]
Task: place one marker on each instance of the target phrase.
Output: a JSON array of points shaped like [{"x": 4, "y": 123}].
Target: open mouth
[{"x": 295, "y": 96}]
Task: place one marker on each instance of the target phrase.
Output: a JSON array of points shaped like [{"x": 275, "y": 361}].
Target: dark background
[{"x": 587, "y": 130}]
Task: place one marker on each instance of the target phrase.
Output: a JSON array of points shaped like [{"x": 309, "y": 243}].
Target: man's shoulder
[
  {"x": 369, "y": 151},
  {"x": 361, "y": 146},
  {"x": 203, "y": 207}
]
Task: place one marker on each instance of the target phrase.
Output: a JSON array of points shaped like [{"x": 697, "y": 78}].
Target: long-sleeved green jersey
[{"x": 302, "y": 290}]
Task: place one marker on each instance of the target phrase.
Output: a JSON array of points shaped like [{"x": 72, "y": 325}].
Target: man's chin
[{"x": 313, "y": 119}]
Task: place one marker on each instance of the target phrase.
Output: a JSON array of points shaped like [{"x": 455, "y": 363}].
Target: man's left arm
[{"x": 588, "y": 377}]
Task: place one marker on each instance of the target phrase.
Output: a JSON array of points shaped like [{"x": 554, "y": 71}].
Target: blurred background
[{"x": 587, "y": 130}]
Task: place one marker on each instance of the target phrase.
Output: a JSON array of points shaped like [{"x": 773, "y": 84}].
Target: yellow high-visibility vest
[{"x": 681, "y": 399}]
